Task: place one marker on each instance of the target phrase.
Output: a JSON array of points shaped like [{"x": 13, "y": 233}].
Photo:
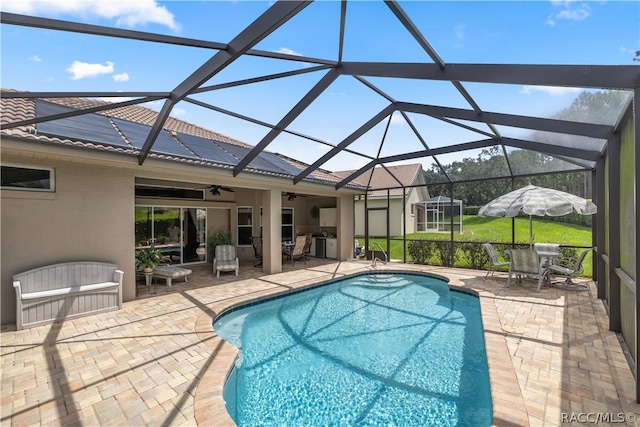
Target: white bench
[{"x": 63, "y": 291}]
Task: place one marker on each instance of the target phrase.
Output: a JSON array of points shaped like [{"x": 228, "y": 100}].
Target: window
[
  {"x": 169, "y": 192},
  {"x": 245, "y": 225},
  {"x": 287, "y": 224},
  {"x": 27, "y": 178}
]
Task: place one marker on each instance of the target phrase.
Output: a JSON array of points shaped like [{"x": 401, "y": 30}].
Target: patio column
[
  {"x": 271, "y": 231},
  {"x": 346, "y": 231}
]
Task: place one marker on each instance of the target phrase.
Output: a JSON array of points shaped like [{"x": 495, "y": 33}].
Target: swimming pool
[{"x": 374, "y": 349}]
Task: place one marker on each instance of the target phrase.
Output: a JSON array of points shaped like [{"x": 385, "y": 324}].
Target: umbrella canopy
[{"x": 539, "y": 201}]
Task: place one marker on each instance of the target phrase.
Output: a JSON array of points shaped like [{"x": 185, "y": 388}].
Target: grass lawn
[{"x": 498, "y": 230}]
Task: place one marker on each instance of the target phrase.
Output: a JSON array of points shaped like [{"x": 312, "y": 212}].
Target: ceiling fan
[
  {"x": 215, "y": 189},
  {"x": 292, "y": 196}
]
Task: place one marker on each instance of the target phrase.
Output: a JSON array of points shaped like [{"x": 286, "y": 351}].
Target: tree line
[{"x": 483, "y": 176}]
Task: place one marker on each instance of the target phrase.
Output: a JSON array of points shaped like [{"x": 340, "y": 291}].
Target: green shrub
[
  {"x": 446, "y": 253},
  {"x": 420, "y": 251},
  {"x": 470, "y": 210},
  {"x": 475, "y": 254}
]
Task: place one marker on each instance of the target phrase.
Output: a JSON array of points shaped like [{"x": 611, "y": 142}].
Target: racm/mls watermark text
[{"x": 599, "y": 417}]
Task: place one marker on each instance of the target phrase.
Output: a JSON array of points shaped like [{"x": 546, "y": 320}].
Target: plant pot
[{"x": 147, "y": 269}]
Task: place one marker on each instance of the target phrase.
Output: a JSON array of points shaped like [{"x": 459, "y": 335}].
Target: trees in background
[{"x": 485, "y": 174}]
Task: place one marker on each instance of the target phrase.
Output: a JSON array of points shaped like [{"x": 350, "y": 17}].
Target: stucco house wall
[
  {"x": 397, "y": 223},
  {"x": 88, "y": 217},
  {"x": 91, "y": 213}
]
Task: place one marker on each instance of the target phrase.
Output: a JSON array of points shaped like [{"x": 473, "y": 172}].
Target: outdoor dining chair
[
  {"x": 256, "y": 242},
  {"x": 494, "y": 260},
  {"x": 298, "y": 250},
  {"x": 570, "y": 267},
  {"x": 524, "y": 262},
  {"x": 307, "y": 244}
]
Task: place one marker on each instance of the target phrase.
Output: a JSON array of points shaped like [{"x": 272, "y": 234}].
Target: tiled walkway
[{"x": 158, "y": 362}]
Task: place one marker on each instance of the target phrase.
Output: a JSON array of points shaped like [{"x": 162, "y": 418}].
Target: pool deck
[{"x": 157, "y": 361}]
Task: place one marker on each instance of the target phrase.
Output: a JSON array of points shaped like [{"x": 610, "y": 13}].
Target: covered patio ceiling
[{"x": 300, "y": 89}]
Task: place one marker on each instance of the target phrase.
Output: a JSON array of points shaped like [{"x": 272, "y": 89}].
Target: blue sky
[{"x": 536, "y": 32}]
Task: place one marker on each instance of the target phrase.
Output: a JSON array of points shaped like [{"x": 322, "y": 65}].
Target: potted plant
[
  {"x": 219, "y": 237},
  {"x": 148, "y": 258}
]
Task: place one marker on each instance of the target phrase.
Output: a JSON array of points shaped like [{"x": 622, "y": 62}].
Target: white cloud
[
  {"x": 179, "y": 112},
  {"x": 35, "y": 58},
  {"x": 569, "y": 11},
  {"x": 125, "y": 12},
  {"x": 397, "y": 119},
  {"x": 124, "y": 77},
  {"x": 459, "y": 31},
  {"x": 83, "y": 70},
  {"x": 555, "y": 91},
  {"x": 288, "y": 51},
  {"x": 115, "y": 99},
  {"x": 626, "y": 50}
]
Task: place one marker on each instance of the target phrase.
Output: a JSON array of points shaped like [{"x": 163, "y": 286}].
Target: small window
[
  {"x": 245, "y": 225},
  {"x": 169, "y": 192},
  {"x": 26, "y": 178}
]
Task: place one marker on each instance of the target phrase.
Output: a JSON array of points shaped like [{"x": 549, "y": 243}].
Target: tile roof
[
  {"x": 387, "y": 177},
  {"x": 20, "y": 109}
]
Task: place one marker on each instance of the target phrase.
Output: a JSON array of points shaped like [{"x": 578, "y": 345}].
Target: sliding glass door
[{"x": 179, "y": 233}]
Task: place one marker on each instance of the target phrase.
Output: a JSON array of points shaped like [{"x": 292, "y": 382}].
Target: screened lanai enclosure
[
  {"x": 436, "y": 214},
  {"x": 333, "y": 89}
]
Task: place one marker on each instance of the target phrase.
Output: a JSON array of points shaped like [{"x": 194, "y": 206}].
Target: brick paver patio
[{"x": 157, "y": 361}]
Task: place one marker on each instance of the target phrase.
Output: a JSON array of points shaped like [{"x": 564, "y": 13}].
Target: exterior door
[{"x": 377, "y": 232}]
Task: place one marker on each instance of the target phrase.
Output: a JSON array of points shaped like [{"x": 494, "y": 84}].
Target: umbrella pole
[{"x": 530, "y": 233}]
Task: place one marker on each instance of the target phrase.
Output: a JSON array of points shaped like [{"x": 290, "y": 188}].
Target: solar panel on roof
[
  {"x": 86, "y": 127},
  {"x": 277, "y": 161},
  {"x": 207, "y": 149},
  {"x": 259, "y": 162},
  {"x": 137, "y": 134}
]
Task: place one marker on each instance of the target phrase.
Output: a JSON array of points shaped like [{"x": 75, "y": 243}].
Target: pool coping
[{"x": 507, "y": 400}]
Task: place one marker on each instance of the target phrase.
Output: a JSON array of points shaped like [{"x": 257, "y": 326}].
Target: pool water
[{"x": 376, "y": 349}]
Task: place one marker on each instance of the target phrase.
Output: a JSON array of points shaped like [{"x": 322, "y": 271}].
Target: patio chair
[
  {"x": 358, "y": 250},
  {"x": 298, "y": 250},
  {"x": 307, "y": 244},
  {"x": 225, "y": 259},
  {"x": 524, "y": 262},
  {"x": 494, "y": 260},
  {"x": 257, "y": 249},
  {"x": 570, "y": 267}
]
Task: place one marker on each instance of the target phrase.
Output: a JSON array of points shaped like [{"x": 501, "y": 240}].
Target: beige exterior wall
[{"x": 88, "y": 217}]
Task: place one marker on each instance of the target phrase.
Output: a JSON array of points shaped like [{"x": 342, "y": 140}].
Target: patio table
[{"x": 287, "y": 247}]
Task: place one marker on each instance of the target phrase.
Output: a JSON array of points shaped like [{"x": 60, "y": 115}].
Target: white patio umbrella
[{"x": 539, "y": 201}]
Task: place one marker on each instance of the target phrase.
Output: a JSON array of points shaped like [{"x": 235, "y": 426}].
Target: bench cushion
[
  {"x": 226, "y": 264},
  {"x": 172, "y": 272}
]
